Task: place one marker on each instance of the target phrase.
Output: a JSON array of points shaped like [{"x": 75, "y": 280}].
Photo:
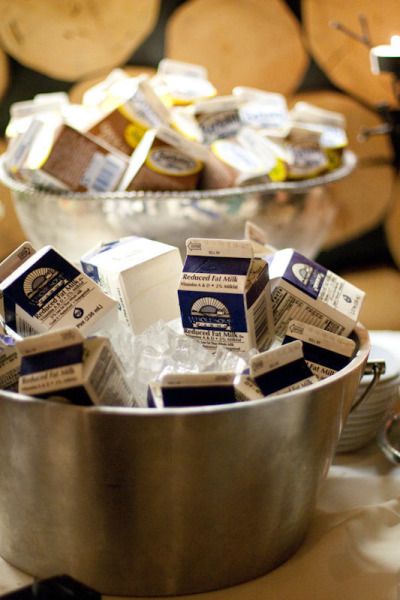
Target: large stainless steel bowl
[
  {"x": 296, "y": 214},
  {"x": 147, "y": 502}
]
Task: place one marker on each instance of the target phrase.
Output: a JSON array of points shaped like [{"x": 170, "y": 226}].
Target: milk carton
[
  {"x": 201, "y": 389},
  {"x": 143, "y": 275},
  {"x": 124, "y": 126},
  {"x": 324, "y": 352},
  {"x": 308, "y": 292},
  {"x": 246, "y": 389},
  {"x": 258, "y": 238},
  {"x": 164, "y": 160},
  {"x": 65, "y": 366},
  {"x": 181, "y": 390},
  {"x": 224, "y": 295},
  {"x": 47, "y": 292},
  {"x": 9, "y": 363},
  {"x": 282, "y": 369}
]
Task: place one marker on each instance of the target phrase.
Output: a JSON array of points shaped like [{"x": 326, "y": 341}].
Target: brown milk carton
[
  {"x": 164, "y": 160},
  {"x": 124, "y": 127}
]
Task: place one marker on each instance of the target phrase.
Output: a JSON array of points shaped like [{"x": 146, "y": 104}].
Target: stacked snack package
[{"x": 203, "y": 140}]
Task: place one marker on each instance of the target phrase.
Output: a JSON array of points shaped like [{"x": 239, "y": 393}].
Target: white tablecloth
[{"x": 352, "y": 550}]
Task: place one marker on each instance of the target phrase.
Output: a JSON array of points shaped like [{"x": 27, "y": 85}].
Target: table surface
[{"x": 352, "y": 549}]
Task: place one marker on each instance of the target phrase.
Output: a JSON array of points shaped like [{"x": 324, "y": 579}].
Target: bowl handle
[
  {"x": 390, "y": 450},
  {"x": 376, "y": 368}
]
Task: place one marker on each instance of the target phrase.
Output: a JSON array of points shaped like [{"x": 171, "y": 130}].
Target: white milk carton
[
  {"x": 281, "y": 370},
  {"x": 143, "y": 275},
  {"x": 224, "y": 295},
  {"x": 9, "y": 363},
  {"x": 67, "y": 367},
  {"x": 325, "y": 352},
  {"x": 258, "y": 239},
  {"x": 47, "y": 292},
  {"x": 306, "y": 291}
]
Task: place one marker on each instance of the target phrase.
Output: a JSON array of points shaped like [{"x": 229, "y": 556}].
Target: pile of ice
[{"x": 163, "y": 348}]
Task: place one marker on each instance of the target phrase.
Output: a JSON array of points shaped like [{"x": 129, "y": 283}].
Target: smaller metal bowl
[{"x": 295, "y": 213}]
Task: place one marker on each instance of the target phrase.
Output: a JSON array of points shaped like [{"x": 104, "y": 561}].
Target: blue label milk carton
[
  {"x": 282, "y": 369},
  {"x": 67, "y": 367},
  {"x": 324, "y": 352},
  {"x": 46, "y": 292},
  {"x": 305, "y": 291},
  {"x": 182, "y": 390},
  {"x": 224, "y": 295}
]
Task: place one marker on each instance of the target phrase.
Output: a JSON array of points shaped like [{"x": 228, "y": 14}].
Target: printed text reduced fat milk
[{"x": 224, "y": 295}]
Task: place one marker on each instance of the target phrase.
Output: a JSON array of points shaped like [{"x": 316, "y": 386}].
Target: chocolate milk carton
[{"x": 224, "y": 295}]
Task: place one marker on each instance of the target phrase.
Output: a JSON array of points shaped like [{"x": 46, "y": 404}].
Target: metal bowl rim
[{"x": 360, "y": 357}]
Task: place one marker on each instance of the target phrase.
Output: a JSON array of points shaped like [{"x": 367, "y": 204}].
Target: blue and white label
[
  {"x": 305, "y": 291},
  {"x": 49, "y": 292},
  {"x": 222, "y": 295}
]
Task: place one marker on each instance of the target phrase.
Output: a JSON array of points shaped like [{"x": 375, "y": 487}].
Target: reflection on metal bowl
[
  {"x": 295, "y": 214},
  {"x": 158, "y": 502}
]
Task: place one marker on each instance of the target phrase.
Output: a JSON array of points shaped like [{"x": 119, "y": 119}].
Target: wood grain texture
[
  {"x": 4, "y": 73},
  {"x": 72, "y": 39},
  {"x": 344, "y": 60},
  {"x": 11, "y": 233},
  {"x": 241, "y": 42},
  {"x": 363, "y": 198},
  {"x": 392, "y": 223}
]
